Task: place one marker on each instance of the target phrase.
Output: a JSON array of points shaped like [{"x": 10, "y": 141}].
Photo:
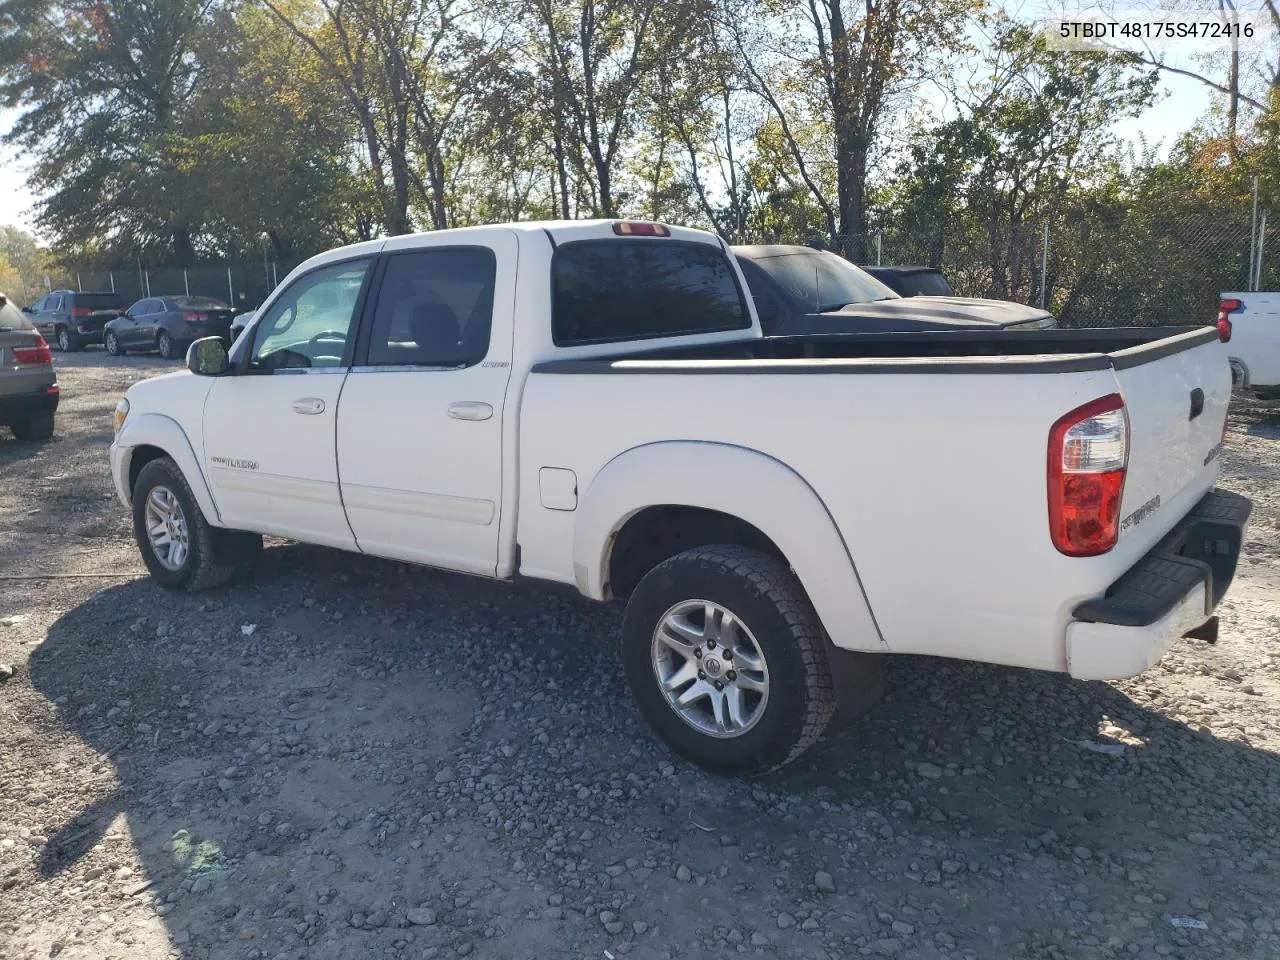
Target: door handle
[
  {"x": 470, "y": 410},
  {"x": 1197, "y": 403},
  {"x": 309, "y": 405}
]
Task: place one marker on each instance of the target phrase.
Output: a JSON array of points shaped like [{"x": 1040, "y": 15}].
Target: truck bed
[
  {"x": 936, "y": 482},
  {"x": 960, "y": 351}
]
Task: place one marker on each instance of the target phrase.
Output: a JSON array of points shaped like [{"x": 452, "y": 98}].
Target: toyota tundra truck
[{"x": 593, "y": 404}]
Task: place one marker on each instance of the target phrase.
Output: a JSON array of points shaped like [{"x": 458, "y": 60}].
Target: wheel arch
[
  {"x": 727, "y": 494},
  {"x": 153, "y": 435}
]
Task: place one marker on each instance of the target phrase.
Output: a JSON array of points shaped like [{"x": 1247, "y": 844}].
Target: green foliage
[{"x": 197, "y": 130}]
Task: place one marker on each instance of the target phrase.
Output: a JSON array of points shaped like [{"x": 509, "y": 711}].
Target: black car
[
  {"x": 799, "y": 290},
  {"x": 70, "y": 319},
  {"x": 913, "y": 281},
  {"x": 168, "y": 325}
]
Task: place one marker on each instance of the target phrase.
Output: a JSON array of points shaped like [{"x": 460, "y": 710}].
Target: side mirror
[
  {"x": 207, "y": 357},
  {"x": 28, "y": 311}
]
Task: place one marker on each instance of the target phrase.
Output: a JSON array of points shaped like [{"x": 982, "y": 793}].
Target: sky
[{"x": 1184, "y": 101}]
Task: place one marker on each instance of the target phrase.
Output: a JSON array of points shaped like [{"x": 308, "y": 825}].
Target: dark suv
[{"x": 70, "y": 318}]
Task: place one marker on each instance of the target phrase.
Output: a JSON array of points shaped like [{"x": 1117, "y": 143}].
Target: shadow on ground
[{"x": 341, "y": 757}]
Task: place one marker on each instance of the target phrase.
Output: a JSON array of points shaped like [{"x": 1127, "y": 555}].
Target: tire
[
  {"x": 67, "y": 341},
  {"x": 35, "y": 428},
  {"x": 203, "y": 564},
  {"x": 776, "y": 620},
  {"x": 112, "y": 343},
  {"x": 164, "y": 343}
]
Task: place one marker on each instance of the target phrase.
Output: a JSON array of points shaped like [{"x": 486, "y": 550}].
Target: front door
[
  {"x": 129, "y": 332},
  {"x": 420, "y": 429},
  {"x": 269, "y": 427}
]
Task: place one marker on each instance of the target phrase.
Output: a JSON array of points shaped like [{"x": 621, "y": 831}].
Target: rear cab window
[
  {"x": 606, "y": 291},
  {"x": 98, "y": 301}
]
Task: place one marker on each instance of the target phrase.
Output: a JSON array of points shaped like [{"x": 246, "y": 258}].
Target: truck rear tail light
[
  {"x": 1088, "y": 455},
  {"x": 640, "y": 228},
  {"x": 37, "y": 353},
  {"x": 193, "y": 317},
  {"x": 1226, "y": 307},
  {"x": 80, "y": 311}
]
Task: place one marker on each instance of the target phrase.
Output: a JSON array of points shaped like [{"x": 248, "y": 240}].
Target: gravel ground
[{"x": 347, "y": 758}]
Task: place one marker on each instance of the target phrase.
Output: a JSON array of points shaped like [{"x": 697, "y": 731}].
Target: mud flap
[{"x": 858, "y": 679}]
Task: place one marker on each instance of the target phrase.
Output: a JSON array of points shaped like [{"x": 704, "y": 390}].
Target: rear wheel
[
  {"x": 113, "y": 344},
  {"x": 179, "y": 547},
  {"x": 723, "y": 653},
  {"x": 34, "y": 428},
  {"x": 165, "y": 345},
  {"x": 67, "y": 341}
]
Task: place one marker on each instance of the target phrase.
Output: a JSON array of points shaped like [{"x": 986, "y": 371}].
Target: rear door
[
  {"x": 1176, "y": 400},
  {"x": 420, "y": 424}
]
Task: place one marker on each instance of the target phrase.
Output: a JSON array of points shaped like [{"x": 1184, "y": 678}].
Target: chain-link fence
[
  {"x": 1117, "y": 269},
  {"x": 242, "y": 284},
  {"x": 1107, "y": 269}
]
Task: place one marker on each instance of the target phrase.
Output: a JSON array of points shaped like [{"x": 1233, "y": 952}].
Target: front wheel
[
  {"x": 113, "y": 345},
  {"x": 165, "y": 345},
  {"x": 178, "y": 545},
  {"x": 723, "y": 653}
]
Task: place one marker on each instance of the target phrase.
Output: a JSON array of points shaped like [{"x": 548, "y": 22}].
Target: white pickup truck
[
  {"x": 1252, "y": 320},
  {"x": 592, "y": 403}
]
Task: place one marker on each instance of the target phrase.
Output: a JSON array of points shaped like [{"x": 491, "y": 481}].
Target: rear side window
[
  {"x": 610, "y": 290},
  {"x": 435, "y": 308}
]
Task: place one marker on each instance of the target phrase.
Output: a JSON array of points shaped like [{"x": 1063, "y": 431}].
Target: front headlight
[{"x": 122, "y": 411}]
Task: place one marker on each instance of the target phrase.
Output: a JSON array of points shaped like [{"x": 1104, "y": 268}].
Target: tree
[
  {"x": 1031, "y": 136},
  {"x": 104, "y": 87},
  {"x": 846, "y": 65}
]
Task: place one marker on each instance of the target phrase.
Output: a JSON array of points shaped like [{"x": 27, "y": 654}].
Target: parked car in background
[
  {"x": 913, "y": 281},
  {"x": 1253, "y": 320},
  {"x": 799, "y": 290},
  {"x": 73, "y": 318},
  {"x": 240, "y": 321},
  {"x": 28, "y": 385},
  {"x": 168, "y": 325}
]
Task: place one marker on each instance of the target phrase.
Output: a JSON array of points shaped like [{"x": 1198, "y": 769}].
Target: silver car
[{"x": 28, "y": 385}]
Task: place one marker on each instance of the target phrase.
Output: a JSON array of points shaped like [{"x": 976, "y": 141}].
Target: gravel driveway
[{"x": 347, "y": 758}]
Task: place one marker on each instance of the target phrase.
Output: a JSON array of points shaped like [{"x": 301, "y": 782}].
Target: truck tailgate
[{"x": 1177, "y": 403}]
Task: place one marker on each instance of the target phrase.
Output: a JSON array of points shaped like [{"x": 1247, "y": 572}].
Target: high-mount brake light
[
  {"x": 1088, "y": 457},
  {"x": 640, "y": 228}
]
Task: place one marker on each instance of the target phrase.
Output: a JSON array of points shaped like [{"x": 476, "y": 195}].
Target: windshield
[{"x": 823, "y": 281}]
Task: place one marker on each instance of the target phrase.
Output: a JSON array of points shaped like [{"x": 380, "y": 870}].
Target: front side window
[
  {"x": 611, "y": 290},
  {"x": 308, "y": 326},
  {"x": 435, "y": 308}
]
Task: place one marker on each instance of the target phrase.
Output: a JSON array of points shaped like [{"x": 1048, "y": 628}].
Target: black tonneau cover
[{"x": 951, "y": 351}]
